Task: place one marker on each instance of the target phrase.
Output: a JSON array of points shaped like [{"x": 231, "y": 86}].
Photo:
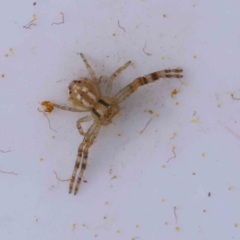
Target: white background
[{"x": 42, "y": 63}]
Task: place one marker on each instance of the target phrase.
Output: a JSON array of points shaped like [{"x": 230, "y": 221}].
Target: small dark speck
[
  {"x": 194, "y": 173},
  {"x": 34, "y": 3},
  {"x": 209, "y": 194}
]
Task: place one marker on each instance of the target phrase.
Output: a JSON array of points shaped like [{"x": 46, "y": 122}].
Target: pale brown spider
[{"x": 84, "y": 94}]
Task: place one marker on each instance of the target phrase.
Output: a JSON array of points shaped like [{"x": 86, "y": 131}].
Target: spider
[{"x": 85, "y": 96}]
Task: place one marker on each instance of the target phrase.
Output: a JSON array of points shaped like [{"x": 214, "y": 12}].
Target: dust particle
[
  {"x": 150, "y": 111},
  {"x": 2, "y": 75}
]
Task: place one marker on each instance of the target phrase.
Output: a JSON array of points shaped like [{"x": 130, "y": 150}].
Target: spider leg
[
  {"x": 89, "y": 68},
  {"x": 132, "y": 87},
  {"x": 84, "y": 119},
  {"x": 109, "y": 87},
  {"x": 69, "y": 108},
  {"x": 88, "y": 140}
]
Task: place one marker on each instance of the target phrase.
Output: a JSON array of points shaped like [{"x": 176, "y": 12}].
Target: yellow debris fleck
[
  {"x": 173, "y": 135},
  {"x": 184, "y": 83},
  {"x": 114, "y": 177},
  {"x": 156, "y": 115},
  {"x": 229, "y": 188},
  {"x": 119, "y": 135},
  {"x": 235, "y": 225},
  {"x": 119, "y": 113},
  {"x": 165, "y": 223},
  {"x": 118, "y": 231},
  {"x": 162, "y": 57},
  {"x": 53, "y": 137},
  {"x": 41, "y": 159},
  {"x": 177, "y": 228},
  {"x": 194, "y": 121},
  {"x": 106, "y": 203},
  {"x": 136, "y": 226},
  {"x": 6, "y": 55},
  {"x": 174, "y": 92},
  {"x": 176, "y": 103},
  {"x": 114, "y": 34},
  {"x": 218, "y": 105},
  {"x": 162, "y": 200},
  {"x": 73, "y": 226},
  {"x": 203, "y": 154},
  {"x": 2, "y": 75},
  {"x": 194, "y": 56},
  {"x": 163, "y": 166}
]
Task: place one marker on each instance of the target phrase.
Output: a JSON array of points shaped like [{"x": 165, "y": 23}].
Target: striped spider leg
[{"x": 85, "y": 96}]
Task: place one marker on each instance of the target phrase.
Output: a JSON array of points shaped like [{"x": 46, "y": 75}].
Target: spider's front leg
[
  {"x": 81, "y": 120},
  {"x": 88, "y": 141},
  {"x": 109, "y": 87},
  {"x": 132, "y": 87},
  {"x": 89, "y": 68},
  {"x": 49, "y": 106}
]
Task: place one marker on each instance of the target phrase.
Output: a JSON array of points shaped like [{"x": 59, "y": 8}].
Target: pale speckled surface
[{"x": 35, "y": 205}]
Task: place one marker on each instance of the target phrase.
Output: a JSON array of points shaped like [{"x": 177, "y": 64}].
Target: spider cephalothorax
[{"x": 85, "y": 96}]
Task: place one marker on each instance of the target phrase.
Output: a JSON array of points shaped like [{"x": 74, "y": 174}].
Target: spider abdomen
[{"x": 83, "y": 94}]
